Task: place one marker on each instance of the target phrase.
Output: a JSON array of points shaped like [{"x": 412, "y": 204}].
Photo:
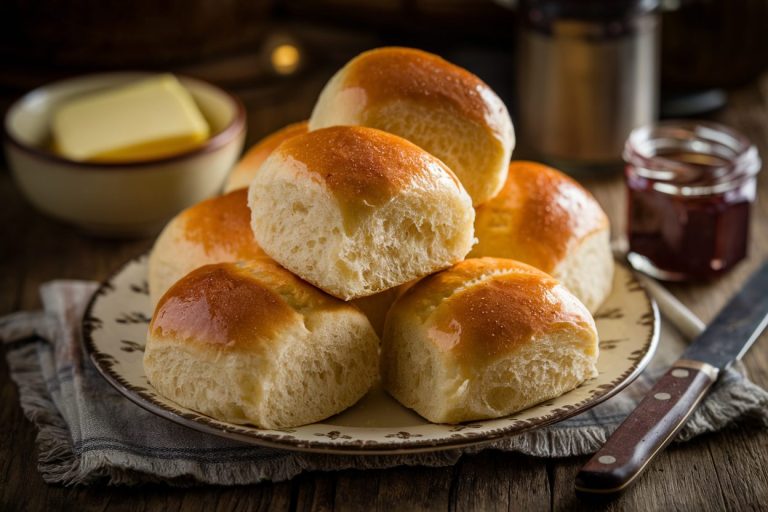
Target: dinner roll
[
  {"x": 544, "y": 218},
  {"x": 213, "y": 231},
  {"x": 484, "y": 339},
  {"x": 242, "y": 174},
  {"x": 252, "y": 343},
  {"x": 441, "y": 107},
  {"x": 356, "y": 211}
]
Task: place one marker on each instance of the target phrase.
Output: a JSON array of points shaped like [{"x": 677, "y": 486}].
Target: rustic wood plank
[
  {"x": 684, "y": 477},
  {"x": 18, "y": 469},
  {"x": 17, "y": 465},
  {"x": 263, "y": 497},
  {"x": 496, "y": 480},
  {"x": 742, "y": 468},
  {"x": 59, "y": 251},
  {"x": 12, "y": 220},
  {"x": 315, "y": 492},
  {"x": 406, "y": 489},
  {"x": 11, "y": 278}
]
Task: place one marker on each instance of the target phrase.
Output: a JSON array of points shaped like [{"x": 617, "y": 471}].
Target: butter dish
[{"x": 125, "y": 198}]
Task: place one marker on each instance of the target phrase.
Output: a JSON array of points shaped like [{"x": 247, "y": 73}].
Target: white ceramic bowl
[{"x": 127, "y": 198}]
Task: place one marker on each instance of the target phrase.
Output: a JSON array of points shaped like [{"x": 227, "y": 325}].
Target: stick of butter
[{"x": 152, "y": 118}]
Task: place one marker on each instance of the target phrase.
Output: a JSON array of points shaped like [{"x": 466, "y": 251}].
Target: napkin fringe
[
  {"x": 56, "y": 462},
  {"x": 565, "y": 442},
  {"x": 115, "y": 468},
  {"x": 733, "y": 400},
  {"x": 122, "y": 469}
]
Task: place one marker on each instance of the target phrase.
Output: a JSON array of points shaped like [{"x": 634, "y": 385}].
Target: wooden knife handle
[{"x": 648, "y": 429}]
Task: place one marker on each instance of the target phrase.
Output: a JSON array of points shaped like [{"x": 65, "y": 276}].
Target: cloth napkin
[{"x": 88, "y": 433}]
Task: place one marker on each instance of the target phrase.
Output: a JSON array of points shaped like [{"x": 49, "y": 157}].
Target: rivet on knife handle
[{"x": 648, "y": 429}]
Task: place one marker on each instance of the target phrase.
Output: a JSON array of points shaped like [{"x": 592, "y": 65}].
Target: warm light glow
[{"x": 285, "y": 58}]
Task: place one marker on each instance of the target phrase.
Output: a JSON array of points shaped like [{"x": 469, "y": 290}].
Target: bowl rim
[{"x": 230, "y": 132}]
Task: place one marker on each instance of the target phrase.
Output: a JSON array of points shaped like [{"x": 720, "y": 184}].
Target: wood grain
[
  {"x": 723, "y": 471},
  {"x": 501, "y": 481}
]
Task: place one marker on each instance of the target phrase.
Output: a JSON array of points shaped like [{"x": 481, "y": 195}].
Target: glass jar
[{"x": 690, "y": 187}]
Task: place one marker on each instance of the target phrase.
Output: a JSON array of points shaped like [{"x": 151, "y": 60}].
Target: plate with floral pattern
[{"x": 115, "y": 327}]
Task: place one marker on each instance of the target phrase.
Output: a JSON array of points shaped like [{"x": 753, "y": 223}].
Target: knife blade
[{"x": 666, "y": 407}]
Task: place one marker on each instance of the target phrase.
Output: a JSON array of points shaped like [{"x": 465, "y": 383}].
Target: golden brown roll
[
  {"x": 441, "y": 107},
  {"x": 242, "y": 174},
  {"x": 544, "y": 218},
  {"x": 356, "y": 211},
  {"x": 484, "y": 339},
  {"x": 252, "y": 343},
  {"x": 214, "y": 231}
]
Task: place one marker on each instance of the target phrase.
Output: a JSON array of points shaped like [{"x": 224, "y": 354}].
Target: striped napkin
[{"x": 89, "y": 433}]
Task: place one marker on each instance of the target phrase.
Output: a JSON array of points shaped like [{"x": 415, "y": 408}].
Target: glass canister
[
  {"x": 587, "y": 75},
  {"x": 690, "y": 188}
]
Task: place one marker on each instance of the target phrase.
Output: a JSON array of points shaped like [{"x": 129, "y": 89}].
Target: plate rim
[{"x": 280, "y": 438}]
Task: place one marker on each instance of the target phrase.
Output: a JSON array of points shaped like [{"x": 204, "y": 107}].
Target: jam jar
[{"x": 690, "y": 186}]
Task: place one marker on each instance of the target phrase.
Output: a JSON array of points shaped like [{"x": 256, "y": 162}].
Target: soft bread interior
[
  {"x": 544, "y": 369},
  {"x": 317, "y": 371},
  {"x": 423, "y": 380},
  {"x": 328, "y": 371},
  {"x": 285, "y": 213},
  {"x": 227, "y": 386},
  {"x": 412, "y": 371},
  {"x": 300, "y": 224}
]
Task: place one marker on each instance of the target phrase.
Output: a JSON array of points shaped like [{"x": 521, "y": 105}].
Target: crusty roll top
[
  {"x": 364, "y": 167},
  {"x": 236, "y": 306},
  {"x": 220, "y": 305},
  {"x": 393, "y": 74},
  {"x": 538, "y": 216},
  {"x": 221, "y": 225},
  {"x": 488, "y": 307}
]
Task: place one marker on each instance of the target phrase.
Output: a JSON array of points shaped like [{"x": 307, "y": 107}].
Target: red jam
[{"x": 690, "y": 188}]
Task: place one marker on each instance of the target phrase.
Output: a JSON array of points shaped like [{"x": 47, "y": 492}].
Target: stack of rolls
[{"x": 388, "y": 237}]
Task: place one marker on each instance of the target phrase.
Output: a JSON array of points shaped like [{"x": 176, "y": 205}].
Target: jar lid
[{"x": 691, "y": 158}]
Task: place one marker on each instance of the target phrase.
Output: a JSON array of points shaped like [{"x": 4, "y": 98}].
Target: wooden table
[{"x": 723, "y": 471}]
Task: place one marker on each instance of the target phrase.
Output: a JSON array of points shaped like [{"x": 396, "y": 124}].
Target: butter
[{"x": 152, "y": 118}]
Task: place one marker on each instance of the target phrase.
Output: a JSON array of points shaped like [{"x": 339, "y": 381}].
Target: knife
[{"x": 666, "y": 407}]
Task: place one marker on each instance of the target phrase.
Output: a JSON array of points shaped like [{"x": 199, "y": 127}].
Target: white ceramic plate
[{"x": 115, "y": 327}]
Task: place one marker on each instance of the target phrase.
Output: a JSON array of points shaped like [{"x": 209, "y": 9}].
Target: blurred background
[{"x": 277, "y": 54}]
